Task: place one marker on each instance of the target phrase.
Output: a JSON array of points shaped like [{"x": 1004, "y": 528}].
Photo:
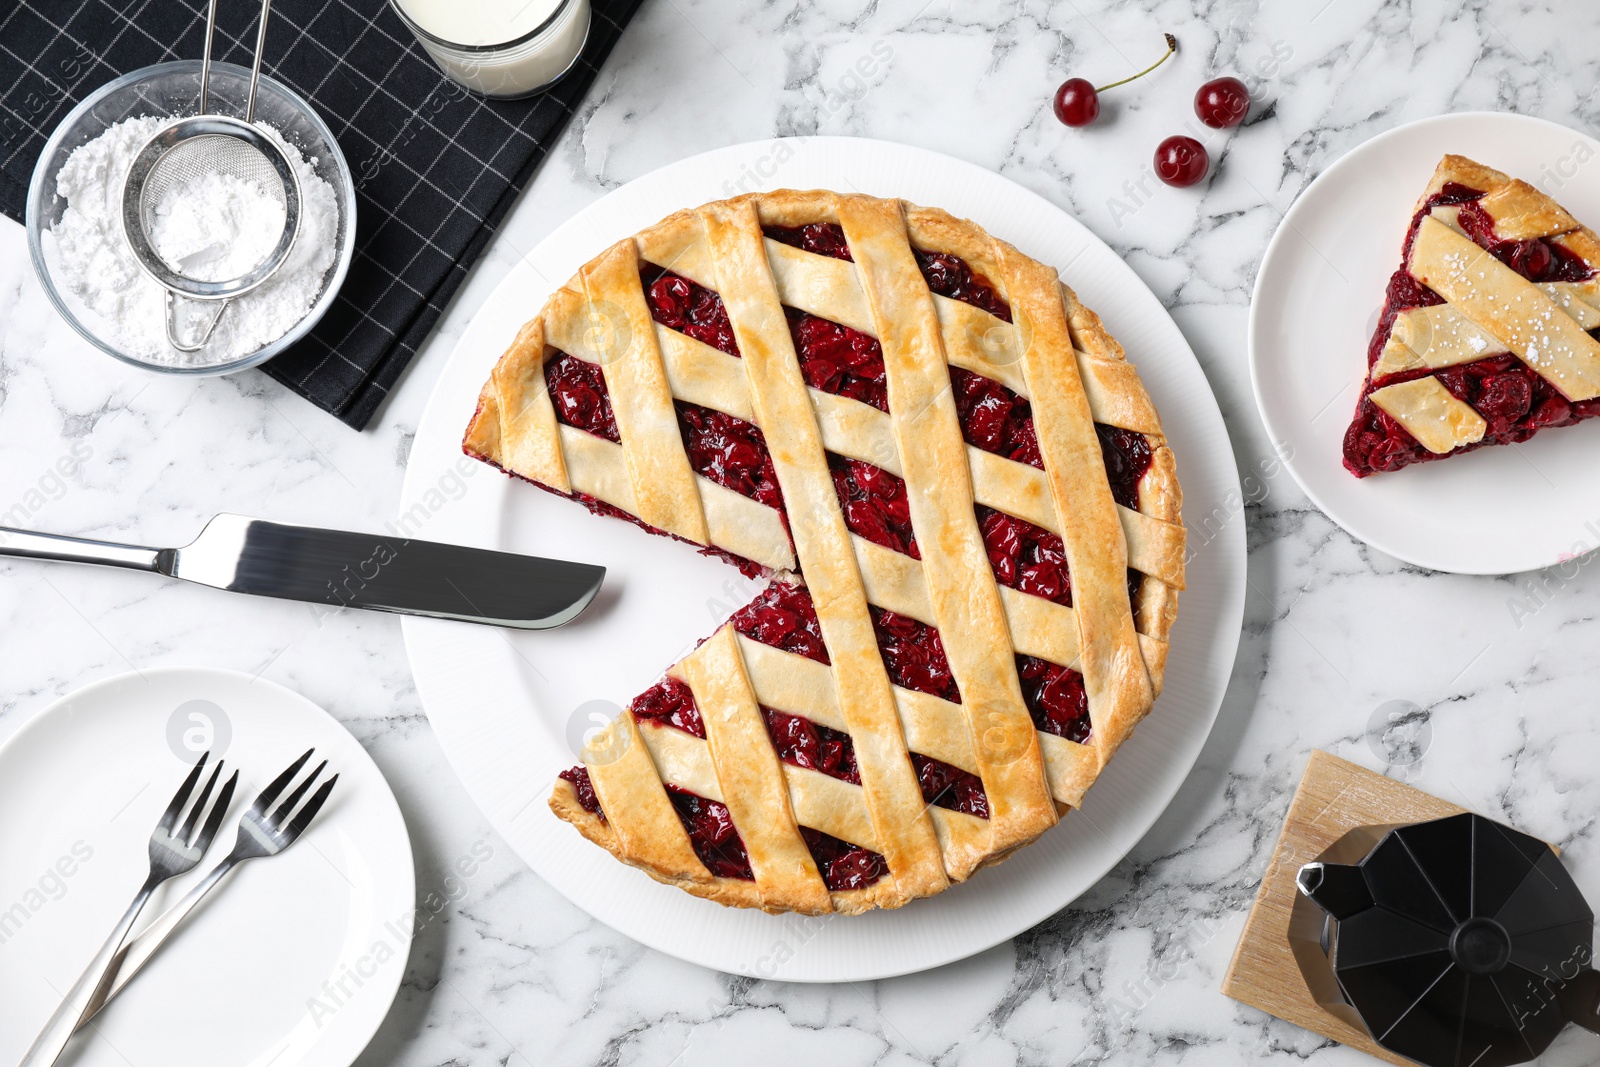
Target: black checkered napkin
[{"x": 436, "y": 168}]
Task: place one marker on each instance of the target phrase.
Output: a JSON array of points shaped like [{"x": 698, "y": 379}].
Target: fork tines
[
  {"x": 186, "y": 836},
  {"x": 306, "y": 813}
]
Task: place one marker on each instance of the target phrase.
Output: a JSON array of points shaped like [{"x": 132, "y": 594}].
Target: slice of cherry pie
[
  {"x": 960, "y": 488},
  {"x": 1491, "y": 327}
]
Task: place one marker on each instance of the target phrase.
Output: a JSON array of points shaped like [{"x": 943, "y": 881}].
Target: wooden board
[{"x": 1334, "y": 797}]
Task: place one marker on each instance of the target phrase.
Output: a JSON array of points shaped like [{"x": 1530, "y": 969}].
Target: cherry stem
[{"x": 1172, "y": 46}]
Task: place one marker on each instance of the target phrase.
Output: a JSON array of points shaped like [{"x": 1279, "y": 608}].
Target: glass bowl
[{"x": 174, "y": 89}]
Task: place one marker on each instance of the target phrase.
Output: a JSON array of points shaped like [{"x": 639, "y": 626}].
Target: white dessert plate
[
  {"x": 1498, "y": 510},
  {"x": 293, "y": 961},
  {"x": 511, "y": 709}
]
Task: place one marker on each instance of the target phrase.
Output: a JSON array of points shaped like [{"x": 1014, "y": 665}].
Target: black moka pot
[{"x": 1455, "y": 943}]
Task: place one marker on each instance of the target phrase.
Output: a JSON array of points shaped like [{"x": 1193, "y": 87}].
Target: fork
[
  {"x": 171, "y": 854},
  {"x": 260, "y": 834}
]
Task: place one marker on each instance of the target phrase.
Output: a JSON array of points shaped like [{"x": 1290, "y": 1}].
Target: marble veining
[{"x": 1500, "y": 713}]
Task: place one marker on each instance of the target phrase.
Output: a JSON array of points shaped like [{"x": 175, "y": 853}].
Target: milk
[{"x": 501, "y": 48}]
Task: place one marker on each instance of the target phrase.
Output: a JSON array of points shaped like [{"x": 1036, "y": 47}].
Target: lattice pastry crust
[
  {"x": 1492, "y": 327},
  {"x": 1055, "y": 354}
]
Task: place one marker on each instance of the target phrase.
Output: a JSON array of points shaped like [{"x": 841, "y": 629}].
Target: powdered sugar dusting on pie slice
[{"x": 1487, "y": 336}]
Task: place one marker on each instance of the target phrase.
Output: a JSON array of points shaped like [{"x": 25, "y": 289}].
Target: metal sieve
[{"x": 191, "y": 148}]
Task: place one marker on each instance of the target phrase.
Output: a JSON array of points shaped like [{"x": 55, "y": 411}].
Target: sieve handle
[
  {"x": 172, "y": 325},
  {"x": 255, "y": 70},
  {"x": 205, "y": 61}
]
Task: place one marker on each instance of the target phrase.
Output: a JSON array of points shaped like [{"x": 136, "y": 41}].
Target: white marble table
[{"x": 510, "y": 972}]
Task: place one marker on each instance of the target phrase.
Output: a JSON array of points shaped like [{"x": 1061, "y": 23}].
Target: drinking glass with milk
[{"x": 500, "y": 48}]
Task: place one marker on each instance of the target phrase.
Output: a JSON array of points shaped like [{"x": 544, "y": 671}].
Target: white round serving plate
[
  {"x": 1318, "y": 293},
  {"x": 510, "y": 708},
  {"x": 254, "y": 976}
]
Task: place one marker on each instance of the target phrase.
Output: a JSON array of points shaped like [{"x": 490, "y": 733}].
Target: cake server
[{"x": 348, "y": 570}]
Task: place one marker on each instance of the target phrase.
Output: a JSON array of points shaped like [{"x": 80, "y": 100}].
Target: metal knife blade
[
  {"x": 380, "y": 573},
  {"x": 347, "y": 570}
]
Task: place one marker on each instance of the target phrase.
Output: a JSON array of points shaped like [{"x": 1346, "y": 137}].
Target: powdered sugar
[
  {"x": 214, "y": 219},
  {"x": 216, "y": 226}
]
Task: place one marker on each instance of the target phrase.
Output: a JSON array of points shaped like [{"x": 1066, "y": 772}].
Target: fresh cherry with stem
[{"x": 1077, "y": 102}]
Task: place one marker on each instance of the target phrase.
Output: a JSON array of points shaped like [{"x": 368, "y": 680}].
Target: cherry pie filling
[
  {"x": 945, "y": 274},
  {"x": 994, "y": 418},
  {"x": 1022, "y": 555},
  {"x": 874, "y": 504},
  {"x": 783, "y": 617},
  {"x": 688, "y": 307},
  {"x": 913, "y": 654},
  {"x": 712, "y": 834},
  {"x": 802, "y": 743},
  {"x": 733, "y": 453},
  {"x": 1026, "y": 557},
  {"x": 833, "y": 358},
  {"x": 583, "y": 787},
  {"x": 729, "y": 451},
  {"x": 839, "y": 360},
  {"x": 836, "y": 359},
  {"x": 1513, "y": 399},
  {"x": 578, "y": 391}
]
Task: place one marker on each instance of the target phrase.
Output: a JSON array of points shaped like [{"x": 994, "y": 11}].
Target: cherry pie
[
  {"x": 959, "y": 487},
  {"x": 1491, "y": 327}
]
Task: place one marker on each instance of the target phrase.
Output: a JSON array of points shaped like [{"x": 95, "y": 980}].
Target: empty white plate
[
  {"x": 1498, "y": 510},
  {"x": 293, "y": 961}
]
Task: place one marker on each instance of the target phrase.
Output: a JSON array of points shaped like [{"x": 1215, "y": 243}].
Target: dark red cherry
[
  {"x": 1531, "y": 259},
  {"x": 1505, "y": 398},
  {"x": 1222, "y": 102},
  {"x": 1077, "y": 103},
  {"x": 1181, "y": 161}
]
